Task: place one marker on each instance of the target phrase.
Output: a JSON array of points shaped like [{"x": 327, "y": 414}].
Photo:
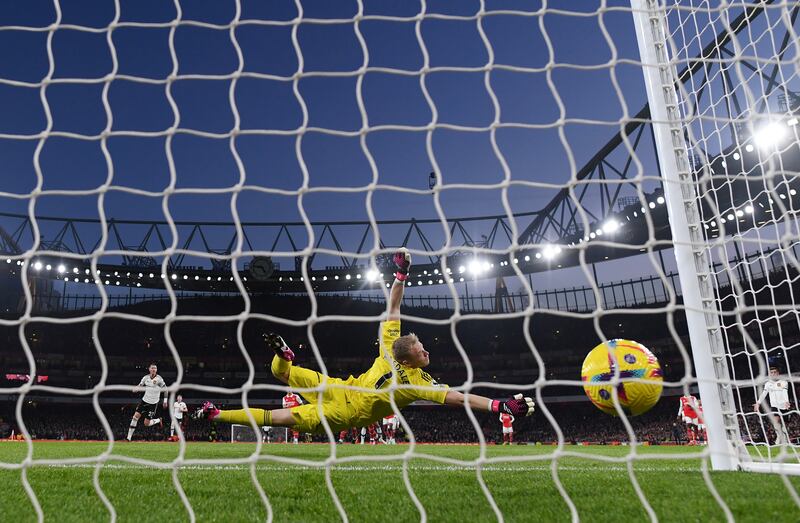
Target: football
[{"x": 634, "y": 361}]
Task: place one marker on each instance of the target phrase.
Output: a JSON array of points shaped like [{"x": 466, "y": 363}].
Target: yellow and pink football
[{"x": 635, "y": 362}]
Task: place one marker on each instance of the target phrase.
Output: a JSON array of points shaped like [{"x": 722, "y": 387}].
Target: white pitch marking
[{"x": 367, "y": 468}]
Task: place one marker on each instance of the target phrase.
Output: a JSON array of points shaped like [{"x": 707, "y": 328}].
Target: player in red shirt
[
  {"x": 389, "y": 425},
  {"x": 292, "y": 400},
  {"x": 701, "y": 423},
  {"x": 508, "y": 429},
  {"x": 687, "y": 410},
  {"x": 373, "y": 434}
]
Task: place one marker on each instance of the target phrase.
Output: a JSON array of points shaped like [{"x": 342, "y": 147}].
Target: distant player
[
  {"x": 702, "y": 435},
  {"x": 508, "y": 428},
  {"x": 389, "y": 426},
  {"x": 373, "y": 434},
  {"x": 778, "y": 392},
  {"x": 292, "y": 400},
  {"x": 401, "y": 360},
  {"x": 153, "y": 385},
  {"x": 687, "y": 411},
  {"x": 178, "y": 410},
  {"x": 351, "y": 432}
]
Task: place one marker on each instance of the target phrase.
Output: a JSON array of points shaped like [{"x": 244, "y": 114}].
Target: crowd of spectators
[
  {"x": 211, "y": 354},
  {"x": 578, "y": 423}
]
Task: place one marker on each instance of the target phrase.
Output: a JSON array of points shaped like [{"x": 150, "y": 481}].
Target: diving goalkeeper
[{"x": 400, "y": 361}]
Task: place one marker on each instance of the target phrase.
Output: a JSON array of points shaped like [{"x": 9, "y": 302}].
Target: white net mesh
[
  {"x": 301, "y": 114},
  {"x": 742, "y": 134}
]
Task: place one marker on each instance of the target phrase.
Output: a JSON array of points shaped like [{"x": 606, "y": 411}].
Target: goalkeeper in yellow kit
[{"x": 400, "y": 362}]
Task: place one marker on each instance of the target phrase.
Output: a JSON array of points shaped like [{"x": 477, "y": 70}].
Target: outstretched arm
[
  {"x": 395, "y": 298},
  {"x": 517, "y": 405},
  {"x": 402, "y": 259}
]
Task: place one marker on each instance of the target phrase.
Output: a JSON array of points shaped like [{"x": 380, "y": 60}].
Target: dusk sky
[{"x": 139, "y": 103}]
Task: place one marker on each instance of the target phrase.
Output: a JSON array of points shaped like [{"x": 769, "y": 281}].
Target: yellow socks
[{"x": 262, "y": 417}]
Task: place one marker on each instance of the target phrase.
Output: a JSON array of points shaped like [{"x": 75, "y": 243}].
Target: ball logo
[
  {"x": 630, "y": 358},
  {"x": 604, "y": 394}
]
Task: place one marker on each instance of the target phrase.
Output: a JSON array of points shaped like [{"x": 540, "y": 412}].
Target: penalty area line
[{"x": 368, "y": 468}]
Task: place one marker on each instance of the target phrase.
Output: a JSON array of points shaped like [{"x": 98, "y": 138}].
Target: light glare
[
  {"x": 610, "y": 226},
  {"x": 769, "y": 135}
]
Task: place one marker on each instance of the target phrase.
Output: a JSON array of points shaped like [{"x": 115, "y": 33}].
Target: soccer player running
[
  {"x": 778, "y": 391},
  {"x": 178, "y": 409},
  {"x": 147, "y": 407},
  {"x": 400, "y": 361}
]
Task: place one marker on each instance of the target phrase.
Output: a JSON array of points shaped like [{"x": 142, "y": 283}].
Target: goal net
[
  {"x": 177, "y": 180},
  {"x": 727, "y": 141}
]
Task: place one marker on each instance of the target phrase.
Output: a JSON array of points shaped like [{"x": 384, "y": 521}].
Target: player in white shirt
[
  {"x": 178, "y": 409},
  {"x": 778, "y": 392},
  {"x": 153, "y": 385}
]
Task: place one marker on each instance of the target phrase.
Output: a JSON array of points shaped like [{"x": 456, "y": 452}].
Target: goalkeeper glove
[
  {"x": 402, "y": 259},
  {"x": 278, "y": 346},
  {"x": 516, "y": 406}
]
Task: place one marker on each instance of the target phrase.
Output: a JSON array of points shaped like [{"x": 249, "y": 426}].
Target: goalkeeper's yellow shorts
[{"x": 335, "y": 402}]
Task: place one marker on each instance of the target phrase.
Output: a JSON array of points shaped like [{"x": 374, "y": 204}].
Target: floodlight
[
  {"x": 550, "y": 252},
  {"x": 610, "y": 226},
  {"x": 769, "y": 135}
]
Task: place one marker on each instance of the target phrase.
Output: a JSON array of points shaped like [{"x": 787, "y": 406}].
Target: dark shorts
[{"x": 147, "y": 410}]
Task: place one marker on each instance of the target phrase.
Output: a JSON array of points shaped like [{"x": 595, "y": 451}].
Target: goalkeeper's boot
[
  {"x": 278, "y": 346},
  {"x": 207, "y": 411}
]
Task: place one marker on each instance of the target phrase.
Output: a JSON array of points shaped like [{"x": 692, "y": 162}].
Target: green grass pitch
[{"x": 370, "y": 484}]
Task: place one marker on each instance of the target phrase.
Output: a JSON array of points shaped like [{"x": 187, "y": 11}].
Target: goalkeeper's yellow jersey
[{"x": 370, "y": 407}]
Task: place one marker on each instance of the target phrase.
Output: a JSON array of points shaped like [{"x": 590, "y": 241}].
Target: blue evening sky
[{"x": 271, "y": 161}]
